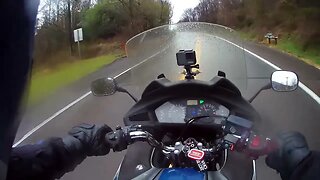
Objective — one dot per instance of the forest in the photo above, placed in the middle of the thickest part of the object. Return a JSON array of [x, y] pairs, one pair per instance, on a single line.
[[295, 22], [112, 21], [107, 24]]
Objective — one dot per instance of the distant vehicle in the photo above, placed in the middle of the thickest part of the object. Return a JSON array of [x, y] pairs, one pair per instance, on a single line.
[[195, 129]]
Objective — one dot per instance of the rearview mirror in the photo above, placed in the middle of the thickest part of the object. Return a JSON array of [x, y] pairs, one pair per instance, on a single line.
[[104, 87], [284, 81]]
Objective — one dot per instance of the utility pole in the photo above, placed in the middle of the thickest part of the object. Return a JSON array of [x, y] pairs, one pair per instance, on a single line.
[[69, 27]]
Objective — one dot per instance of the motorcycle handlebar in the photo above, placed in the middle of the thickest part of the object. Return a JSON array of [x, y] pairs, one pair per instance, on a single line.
[[122, 137], [258, 146], [254, 146]]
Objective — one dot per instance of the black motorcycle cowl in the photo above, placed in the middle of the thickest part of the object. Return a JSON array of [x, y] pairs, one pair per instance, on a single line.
[[161, 90]]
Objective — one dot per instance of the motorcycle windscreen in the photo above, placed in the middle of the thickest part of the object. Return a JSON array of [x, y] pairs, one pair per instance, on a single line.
[[181, 174], [217, 48]]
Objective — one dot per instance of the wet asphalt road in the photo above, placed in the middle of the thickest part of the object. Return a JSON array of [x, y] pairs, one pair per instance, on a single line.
[[279, 111]]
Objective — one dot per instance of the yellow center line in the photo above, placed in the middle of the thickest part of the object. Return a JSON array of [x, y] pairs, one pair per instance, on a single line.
[[198, 49]]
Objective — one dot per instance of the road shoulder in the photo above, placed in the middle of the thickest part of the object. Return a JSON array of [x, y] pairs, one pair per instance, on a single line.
[[308, 74], [36, 113]]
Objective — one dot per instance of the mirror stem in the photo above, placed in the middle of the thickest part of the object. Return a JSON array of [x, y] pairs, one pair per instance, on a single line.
[[120, 89], [134, 98], [268, 86]]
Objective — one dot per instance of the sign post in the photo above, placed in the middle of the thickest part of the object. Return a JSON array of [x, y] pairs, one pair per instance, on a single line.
[[78, 36]]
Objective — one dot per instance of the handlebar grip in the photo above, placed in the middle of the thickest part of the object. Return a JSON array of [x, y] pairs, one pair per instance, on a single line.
[[117, 140], [258, 146], [272, 146], [122, 137]]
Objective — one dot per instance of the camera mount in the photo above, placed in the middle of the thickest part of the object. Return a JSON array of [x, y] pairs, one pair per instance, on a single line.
[[187, 59]]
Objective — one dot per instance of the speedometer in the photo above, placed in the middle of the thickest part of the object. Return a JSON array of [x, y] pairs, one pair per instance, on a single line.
[[171, 113], [207, 110]]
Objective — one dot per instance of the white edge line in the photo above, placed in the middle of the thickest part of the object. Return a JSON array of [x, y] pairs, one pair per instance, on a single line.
[[76, 101], [141, 62], [50, 118], [301, 85]]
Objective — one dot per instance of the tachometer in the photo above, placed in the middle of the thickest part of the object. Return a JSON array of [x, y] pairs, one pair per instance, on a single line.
[[207, 110]]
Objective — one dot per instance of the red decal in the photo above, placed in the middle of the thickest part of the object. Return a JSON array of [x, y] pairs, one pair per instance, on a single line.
[[195, 154], [232, 147]]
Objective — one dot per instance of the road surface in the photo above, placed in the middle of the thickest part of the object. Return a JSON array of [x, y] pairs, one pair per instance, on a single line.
[[280, 111]]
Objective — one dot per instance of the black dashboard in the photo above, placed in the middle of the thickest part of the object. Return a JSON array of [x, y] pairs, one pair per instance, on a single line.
[[182, 110], [166, 104]]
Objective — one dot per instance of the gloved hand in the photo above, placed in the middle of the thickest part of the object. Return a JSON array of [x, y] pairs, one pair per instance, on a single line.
[[293, 149], [92, 139]]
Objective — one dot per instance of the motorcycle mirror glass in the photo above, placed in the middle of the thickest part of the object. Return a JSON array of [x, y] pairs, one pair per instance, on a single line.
[[104, 87], [284, 81]]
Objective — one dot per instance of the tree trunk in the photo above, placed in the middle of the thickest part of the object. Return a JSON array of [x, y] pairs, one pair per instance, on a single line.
[[58, 11], [161, 13], [69, 27]]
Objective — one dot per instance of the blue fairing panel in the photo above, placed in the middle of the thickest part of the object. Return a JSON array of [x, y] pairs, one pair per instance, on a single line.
[[181, 174]]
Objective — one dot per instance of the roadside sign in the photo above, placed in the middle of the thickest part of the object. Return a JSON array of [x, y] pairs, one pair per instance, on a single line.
[[78, 35], [270, 36]]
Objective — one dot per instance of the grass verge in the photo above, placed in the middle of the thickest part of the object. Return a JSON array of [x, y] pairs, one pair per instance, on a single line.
[[288, 45], [47, 81], [311, 55]]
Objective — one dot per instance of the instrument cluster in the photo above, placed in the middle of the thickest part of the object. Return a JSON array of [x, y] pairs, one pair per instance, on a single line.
[[182, 110]]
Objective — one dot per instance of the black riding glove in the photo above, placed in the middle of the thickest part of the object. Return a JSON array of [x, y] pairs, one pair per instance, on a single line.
[[52, 158], [293, 149], [91, 138]]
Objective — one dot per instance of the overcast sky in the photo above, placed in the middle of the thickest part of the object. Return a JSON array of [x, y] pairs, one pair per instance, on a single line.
[[179, 6]]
